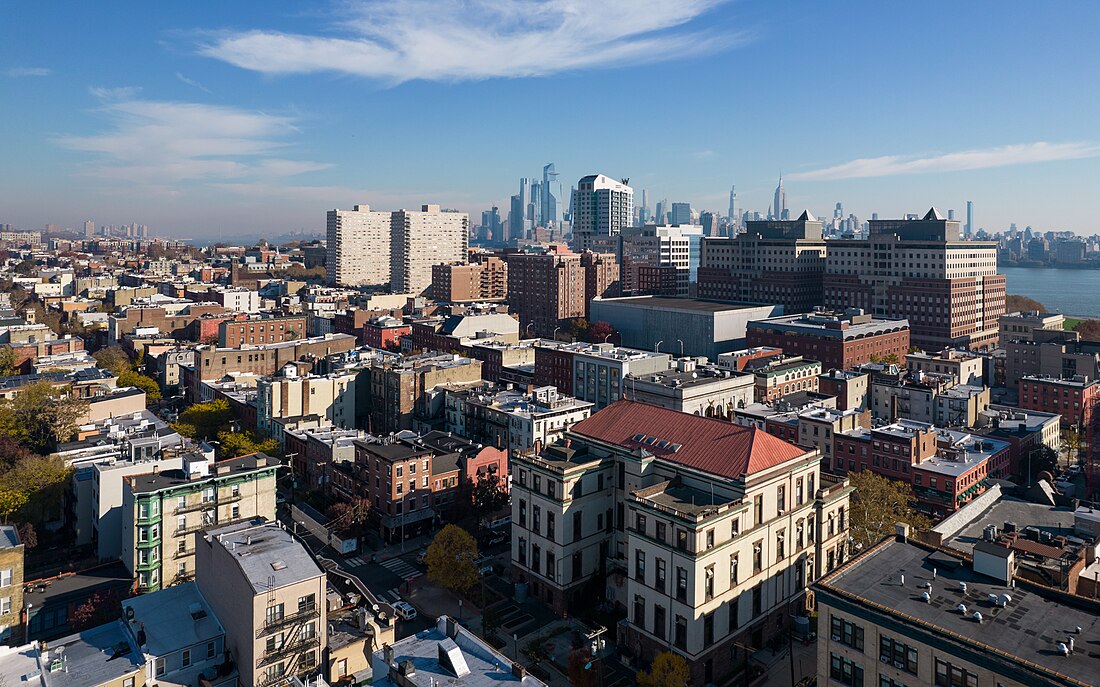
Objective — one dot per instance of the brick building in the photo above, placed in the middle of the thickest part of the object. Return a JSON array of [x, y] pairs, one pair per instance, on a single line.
[[478, 281], [394, 395], [234, 334], [384, 332], [786, 375], [840, 340], [549, 290], [1073, 399], [407, 485], [736, 269]]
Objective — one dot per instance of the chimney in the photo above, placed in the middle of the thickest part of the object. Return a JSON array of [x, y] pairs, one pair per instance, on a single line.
[[519, 670], [902, 530], [387, 654]]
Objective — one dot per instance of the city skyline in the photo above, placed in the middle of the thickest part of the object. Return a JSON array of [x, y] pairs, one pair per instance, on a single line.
[[237, 121]]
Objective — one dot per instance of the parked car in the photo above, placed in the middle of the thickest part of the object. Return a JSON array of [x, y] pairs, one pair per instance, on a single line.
[[404, 610], [494, 538], [422, 556], [485, 569]]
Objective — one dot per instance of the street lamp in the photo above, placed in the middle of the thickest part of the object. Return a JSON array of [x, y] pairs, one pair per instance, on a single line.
[[657, 346], [556, 333], [528, 330], [607, 336], [681, 347]]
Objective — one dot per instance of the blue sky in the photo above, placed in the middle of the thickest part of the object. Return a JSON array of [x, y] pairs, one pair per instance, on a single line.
[[216, 119]]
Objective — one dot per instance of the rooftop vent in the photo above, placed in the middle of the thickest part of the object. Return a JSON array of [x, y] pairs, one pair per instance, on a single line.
[[278, 565]]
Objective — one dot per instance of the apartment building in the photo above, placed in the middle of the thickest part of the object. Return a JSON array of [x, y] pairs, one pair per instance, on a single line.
[[394, 393], [291, 395], [840, 340], [393, 249], [547, 291], [406, 484], [602, 207], [1073, 399], [920, 269], [774, 261], [599, 371], [707, 532], [270, 595], [505, 418], [264, 330], [652, 250], [908, 614], [483, 281], [11, 585], [851, 389], [163, 512], [1051, 353], [964, 366], [784, 375], [1021, 326]]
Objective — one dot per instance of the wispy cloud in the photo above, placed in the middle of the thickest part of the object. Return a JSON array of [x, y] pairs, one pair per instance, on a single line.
[[1004, 156], [456, 40], [152, 143], [193, 83], [23, 72]]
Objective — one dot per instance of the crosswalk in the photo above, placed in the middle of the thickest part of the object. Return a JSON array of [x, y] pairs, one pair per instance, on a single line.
[[401, 568], [390, 595], [355, 562]]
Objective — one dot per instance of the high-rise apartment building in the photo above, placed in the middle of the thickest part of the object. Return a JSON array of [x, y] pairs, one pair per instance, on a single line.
[[733, 218], [772, 262], [920, 270], [89, 229], [601, 207], [969, 218], [651, 246], [548, 290], [394, 249], [709, 532]]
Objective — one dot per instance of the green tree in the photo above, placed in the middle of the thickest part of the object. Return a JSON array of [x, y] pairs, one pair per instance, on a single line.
[[1039, 459], [667, 670], [489, 494], [1072, 441], [450, 559], [7, 362], [878, 503], [25, 268], [146, 384], [204, 420], [41, 415], [114, 359], [245, 443], [35, 488]]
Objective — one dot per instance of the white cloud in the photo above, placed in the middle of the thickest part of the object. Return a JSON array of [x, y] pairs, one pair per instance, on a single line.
[[21, 72], [455, 40], [152, 143], [193, 83], [1004, 156]]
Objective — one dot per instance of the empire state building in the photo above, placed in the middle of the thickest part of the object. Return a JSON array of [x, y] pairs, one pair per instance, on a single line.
[[780, 204]]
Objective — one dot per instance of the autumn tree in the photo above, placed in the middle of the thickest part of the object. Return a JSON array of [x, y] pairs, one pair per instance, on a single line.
[[41, 416], [114, 359], [1072, 441], [7, 362], [877, 504], [35, 488], [204, 420], [667, 670], [1088, 329], [28, 535], [1039, 459], [245, 443], [580, 328], [1016, 303], [598, 331], [489, 494], [102, 607], [450, 559], [143, 382]]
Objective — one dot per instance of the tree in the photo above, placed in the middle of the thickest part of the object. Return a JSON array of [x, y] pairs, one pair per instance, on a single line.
[[1088, 329], [1039, 459], [1014, 303], [204, 420], [7, 362], [580, 328], [40, 416], [25, 268], [450, 559], [598, 331], [667, 670], [35, 488], [28, 536], [489, 494], [146, 384], [1072, 441], [245, 443], [113, 359], [102, 607], [11, 452], [878, 503]]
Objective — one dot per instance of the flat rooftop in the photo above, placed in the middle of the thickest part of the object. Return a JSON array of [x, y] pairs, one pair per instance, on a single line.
[[174, 618], [681, 498], [168, 479], [688, 304], [100, 655], [1057, 521], [1028, 630], [265, 552]]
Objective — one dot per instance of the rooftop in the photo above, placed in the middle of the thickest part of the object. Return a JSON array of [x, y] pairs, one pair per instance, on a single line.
[[9, 537], [1026, 633], [843, 325], [102, 654], [174, 618], [169, 479], [446, 654], [706, 444], [697, 305], [269, 556], [1058, 521]]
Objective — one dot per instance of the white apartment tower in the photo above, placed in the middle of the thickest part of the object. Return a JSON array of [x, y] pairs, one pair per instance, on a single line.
[[601, 207], [393, 249]]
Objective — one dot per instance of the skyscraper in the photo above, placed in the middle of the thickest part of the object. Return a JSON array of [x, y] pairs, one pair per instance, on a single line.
[[662, 210], [681, 213], [518, 220], [551, 197], [601, 207], [969, 218], [643, 213], [780, 204], [733, 206], [89, 229]]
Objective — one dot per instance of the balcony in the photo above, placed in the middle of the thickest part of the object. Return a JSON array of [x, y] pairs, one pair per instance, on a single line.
[[182, 531], [198, 505], [186, 553], [303, 614]]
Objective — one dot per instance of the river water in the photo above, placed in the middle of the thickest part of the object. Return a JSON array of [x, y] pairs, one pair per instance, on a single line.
[[1070, 292]]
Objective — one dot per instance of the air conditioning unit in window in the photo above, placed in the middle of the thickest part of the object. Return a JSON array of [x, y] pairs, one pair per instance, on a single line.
[[836, 638], [899, 664], [884, 659]]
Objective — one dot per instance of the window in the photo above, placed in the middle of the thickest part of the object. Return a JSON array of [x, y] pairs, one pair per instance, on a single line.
[[5, 577], [781, 497], [639, 523], [274, 613], [757, 557], [659, 622], [128, 682], [550, 525], [639, 565], [901, 655], [659, 582], [5, 605], [639, 610], [847, 633], [522, 553], [735, 527], [733, 570], [780, 545], [186, 661], [680, 639], [844, 671], [235, 512], [577, 527], [210, 649], [710, 538], [522, 513], [661, 530], [159, 670], [307, 602], [536, 519], [708, 629], [681, 584], [708, 583], [884, 681], [948, 675], [208, 495], [758, 509], [798, 495], [682, 540], [235, 490]]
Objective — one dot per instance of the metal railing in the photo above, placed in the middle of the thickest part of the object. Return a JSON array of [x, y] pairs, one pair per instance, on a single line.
[[307, 613]]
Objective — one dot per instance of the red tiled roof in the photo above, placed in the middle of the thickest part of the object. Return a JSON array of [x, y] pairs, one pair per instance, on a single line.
[[707, 444]]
